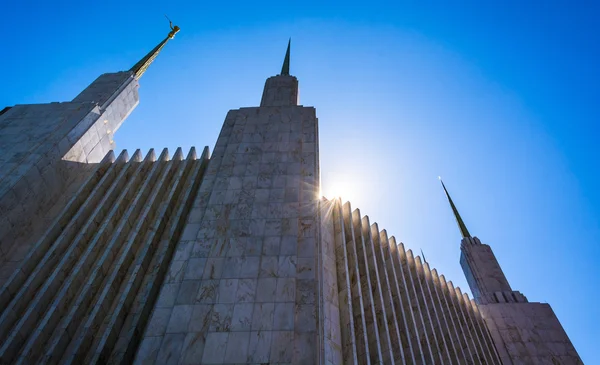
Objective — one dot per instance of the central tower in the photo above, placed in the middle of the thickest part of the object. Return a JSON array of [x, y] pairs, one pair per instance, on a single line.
[[242, 286]]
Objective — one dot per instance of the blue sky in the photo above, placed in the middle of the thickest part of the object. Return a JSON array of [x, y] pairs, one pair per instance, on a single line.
[[500, 100]]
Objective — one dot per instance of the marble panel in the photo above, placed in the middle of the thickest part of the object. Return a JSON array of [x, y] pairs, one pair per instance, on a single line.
[[170, 349], [215, 348]]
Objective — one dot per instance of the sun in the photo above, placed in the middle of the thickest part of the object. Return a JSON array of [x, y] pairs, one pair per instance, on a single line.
[[342, 188]]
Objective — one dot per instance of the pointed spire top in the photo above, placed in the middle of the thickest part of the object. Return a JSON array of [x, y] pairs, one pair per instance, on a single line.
[[461, 225], [423, 255], [139, 68], [285, 69]]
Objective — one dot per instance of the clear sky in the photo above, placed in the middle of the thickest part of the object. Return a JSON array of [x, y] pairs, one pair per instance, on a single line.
[[500, 100]]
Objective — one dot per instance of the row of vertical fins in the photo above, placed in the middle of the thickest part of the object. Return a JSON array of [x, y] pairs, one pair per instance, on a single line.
[[394, 309], [84, 291]]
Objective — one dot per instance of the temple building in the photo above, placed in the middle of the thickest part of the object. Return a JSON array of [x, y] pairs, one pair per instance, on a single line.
[[229, 257]]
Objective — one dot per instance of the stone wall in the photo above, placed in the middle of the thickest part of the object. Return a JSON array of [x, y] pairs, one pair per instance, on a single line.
[[105, 88], [393, 308], [529, 333], [329, 305], [483, 272], [242, 287], [280, 91], [116, 95], [85, 290], [523, 332], [44, 150], [32, 175]]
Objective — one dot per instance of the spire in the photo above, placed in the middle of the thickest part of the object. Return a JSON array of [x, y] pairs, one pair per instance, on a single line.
[[461, 225], [281, 90], [423, 255], [139, 68], [285, 69]]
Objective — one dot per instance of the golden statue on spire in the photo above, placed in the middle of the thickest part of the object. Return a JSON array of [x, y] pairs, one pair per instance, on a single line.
[[174, 29]]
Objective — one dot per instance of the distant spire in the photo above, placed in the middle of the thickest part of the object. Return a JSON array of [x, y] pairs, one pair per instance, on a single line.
[[461, 225], [285, 69], [139, 68], [423, 255]]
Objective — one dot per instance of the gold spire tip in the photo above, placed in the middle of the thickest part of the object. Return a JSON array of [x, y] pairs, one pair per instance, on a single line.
[[174, 28], [139, 68]]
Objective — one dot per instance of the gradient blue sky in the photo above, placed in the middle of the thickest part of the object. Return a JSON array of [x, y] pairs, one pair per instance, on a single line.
[[500, 100]]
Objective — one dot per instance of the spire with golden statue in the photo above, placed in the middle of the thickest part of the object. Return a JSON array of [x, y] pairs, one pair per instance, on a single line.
[[139, 68]]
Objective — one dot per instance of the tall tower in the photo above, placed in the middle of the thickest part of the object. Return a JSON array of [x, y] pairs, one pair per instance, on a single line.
[[524, 332], [47, 150], [482, 270], [242, 287]]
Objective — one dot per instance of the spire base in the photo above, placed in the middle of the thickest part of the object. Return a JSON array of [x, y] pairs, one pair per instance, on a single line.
[[280, 90]]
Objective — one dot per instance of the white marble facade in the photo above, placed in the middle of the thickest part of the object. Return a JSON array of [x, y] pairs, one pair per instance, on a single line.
[[47, 151], [243, 286]]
